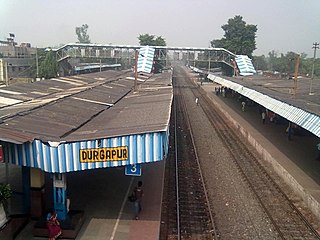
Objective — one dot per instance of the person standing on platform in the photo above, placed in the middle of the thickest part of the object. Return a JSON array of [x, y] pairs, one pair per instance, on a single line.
[[138, 194], [318, 149], [53, 225], [290, 131], [243, 105], [263, 116]]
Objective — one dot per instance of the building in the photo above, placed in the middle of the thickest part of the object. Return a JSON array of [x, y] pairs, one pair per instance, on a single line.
[[15, 61]]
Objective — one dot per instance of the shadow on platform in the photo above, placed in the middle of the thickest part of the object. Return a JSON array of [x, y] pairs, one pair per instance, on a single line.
[[70, 227], [13, 227]]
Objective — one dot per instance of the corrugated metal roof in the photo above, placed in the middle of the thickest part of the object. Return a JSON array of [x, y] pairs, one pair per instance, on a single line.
[[90, 106], [146, 111], [276, 95]]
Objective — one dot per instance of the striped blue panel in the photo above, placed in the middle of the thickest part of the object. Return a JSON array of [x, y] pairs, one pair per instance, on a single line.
[[145, 59], [304, 119], [143, 148], [245, 65]]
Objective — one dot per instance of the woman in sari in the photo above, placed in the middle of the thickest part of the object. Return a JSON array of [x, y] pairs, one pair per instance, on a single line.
[[54, 229]]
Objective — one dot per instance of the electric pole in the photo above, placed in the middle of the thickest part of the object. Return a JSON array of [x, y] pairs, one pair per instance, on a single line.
[[37, 64], [315, 46], [296, 70]]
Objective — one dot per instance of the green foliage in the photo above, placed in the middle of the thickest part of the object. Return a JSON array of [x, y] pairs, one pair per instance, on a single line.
[[82, 34], [260, 62], [239, 37], [150, 40], [48, 67], [285, 63], [5, 192], [41, 56]]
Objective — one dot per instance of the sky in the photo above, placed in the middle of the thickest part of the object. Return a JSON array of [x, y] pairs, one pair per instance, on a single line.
[[283, 25]]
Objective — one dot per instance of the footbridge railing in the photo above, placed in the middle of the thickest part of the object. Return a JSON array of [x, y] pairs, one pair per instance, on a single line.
[[190, 55]]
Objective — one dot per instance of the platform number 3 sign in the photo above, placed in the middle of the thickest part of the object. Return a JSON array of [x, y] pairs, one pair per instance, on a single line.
[[133, 170]]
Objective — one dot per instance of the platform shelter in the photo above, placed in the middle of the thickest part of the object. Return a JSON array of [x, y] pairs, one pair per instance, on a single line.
[[83, 122]]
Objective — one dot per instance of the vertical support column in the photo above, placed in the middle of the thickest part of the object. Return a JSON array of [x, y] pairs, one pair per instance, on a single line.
[[26, 183], [129, 57], [136, 71], [37, 189], [209, 62], [60, 195]]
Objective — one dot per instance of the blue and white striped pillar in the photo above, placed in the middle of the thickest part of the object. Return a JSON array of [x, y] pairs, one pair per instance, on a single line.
[[60, 195]]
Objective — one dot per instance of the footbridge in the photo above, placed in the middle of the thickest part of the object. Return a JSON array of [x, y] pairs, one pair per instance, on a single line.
[[125, 54]]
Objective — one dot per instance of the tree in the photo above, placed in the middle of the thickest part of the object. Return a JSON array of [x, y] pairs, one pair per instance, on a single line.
[[147, 39], [285, 63], [239, 37], [260, 62], [82, 34], [49, 67]]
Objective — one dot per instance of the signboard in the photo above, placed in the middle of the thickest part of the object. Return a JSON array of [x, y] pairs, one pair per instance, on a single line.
[[133, 170], [104, 154]]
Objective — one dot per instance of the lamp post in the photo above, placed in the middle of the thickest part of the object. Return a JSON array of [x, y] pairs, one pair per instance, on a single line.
[[315, 46]]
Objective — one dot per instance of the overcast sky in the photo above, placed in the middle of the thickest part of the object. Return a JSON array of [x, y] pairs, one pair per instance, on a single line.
[[283, 25]]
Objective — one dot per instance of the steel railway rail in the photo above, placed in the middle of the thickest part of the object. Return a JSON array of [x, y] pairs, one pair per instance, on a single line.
[[193, 217], [287, 220]]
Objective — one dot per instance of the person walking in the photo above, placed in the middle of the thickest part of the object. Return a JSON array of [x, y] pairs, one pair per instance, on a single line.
[[290, 131], [197, 100], [138, 194]]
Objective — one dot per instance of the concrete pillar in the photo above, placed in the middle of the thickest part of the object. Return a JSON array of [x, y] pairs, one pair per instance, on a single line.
[[37, 190], [25, 171]]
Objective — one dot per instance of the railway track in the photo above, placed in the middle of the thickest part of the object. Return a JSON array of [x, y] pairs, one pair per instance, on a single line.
[[191, 217], [284, 219], [287, 220]]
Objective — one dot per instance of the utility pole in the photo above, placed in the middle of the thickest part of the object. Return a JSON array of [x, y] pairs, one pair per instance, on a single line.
[[296, 70], [315, 47], [37, 64]]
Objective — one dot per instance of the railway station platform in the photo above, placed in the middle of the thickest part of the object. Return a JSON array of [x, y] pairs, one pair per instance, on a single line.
[[90, 135], [295, 161], [108, 214], [104, 192]]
